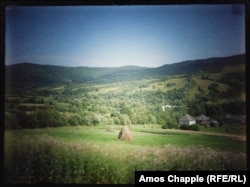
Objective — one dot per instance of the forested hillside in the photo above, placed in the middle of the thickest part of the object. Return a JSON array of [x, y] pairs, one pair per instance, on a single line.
[[43, 95], [33, 75]]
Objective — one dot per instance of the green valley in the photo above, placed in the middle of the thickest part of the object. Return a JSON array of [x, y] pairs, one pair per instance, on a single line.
[[63, 113]]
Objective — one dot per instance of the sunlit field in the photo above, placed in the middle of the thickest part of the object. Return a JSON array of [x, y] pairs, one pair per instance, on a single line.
[[93, 155]]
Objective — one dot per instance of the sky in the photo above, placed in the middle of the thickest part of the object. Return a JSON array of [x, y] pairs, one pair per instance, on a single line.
[[120, 35]]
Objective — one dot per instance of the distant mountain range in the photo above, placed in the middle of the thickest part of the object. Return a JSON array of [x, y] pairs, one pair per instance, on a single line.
[[28, 75]]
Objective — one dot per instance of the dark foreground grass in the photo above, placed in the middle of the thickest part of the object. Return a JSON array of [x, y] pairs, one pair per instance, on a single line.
[[93, 155]]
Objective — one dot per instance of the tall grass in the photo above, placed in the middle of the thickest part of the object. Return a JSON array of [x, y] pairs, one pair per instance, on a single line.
[[36, 159]]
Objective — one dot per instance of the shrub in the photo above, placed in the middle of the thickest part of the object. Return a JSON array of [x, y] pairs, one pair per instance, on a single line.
[[190, 127], [170, 123]]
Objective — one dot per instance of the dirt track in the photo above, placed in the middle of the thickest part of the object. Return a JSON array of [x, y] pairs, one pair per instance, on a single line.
[[237, 137]]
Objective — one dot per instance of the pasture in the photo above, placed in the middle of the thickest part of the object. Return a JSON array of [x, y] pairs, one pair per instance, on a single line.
[[93, 155]]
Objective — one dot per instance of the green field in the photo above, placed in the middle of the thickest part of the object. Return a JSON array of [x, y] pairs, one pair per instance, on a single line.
[[58, 128], [93, 155]]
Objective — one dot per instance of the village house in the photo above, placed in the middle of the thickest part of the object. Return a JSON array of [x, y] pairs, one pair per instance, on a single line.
[[187, 120], [203, 120], [214, 123], [207, 121]]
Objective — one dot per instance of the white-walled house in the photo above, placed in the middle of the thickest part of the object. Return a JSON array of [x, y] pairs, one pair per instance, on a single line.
[[187, 120], [167, 106]]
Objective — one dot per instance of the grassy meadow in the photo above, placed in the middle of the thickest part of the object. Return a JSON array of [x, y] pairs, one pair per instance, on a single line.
[[93, 155], [61, 124]]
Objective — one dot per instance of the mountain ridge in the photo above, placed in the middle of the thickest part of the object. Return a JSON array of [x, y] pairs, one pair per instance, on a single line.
[[132, 66], [34, 75]]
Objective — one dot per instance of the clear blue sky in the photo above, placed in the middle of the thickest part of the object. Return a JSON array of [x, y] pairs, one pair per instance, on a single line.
[[113, 36]]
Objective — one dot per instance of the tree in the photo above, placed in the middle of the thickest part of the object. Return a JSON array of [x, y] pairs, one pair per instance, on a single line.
[[125, 110], [214, 110], [31, 121], [170, 123], [21, 118], [73, 121], [124, 119], [196, 108], [213, 87], [133, 118], [10, 121], [49, 118], [152, 119], [116, 120], [160, 116], [200, 89]]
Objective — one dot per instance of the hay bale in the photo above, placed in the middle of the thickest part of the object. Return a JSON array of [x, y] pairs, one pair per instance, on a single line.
[[78, 127], [125, 134], [110, 129]]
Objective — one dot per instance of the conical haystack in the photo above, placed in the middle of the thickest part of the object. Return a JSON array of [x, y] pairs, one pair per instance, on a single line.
[[125, 134], [110, 129]]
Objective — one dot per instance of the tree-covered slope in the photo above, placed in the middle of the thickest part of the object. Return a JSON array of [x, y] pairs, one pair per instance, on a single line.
[[28, 75]]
